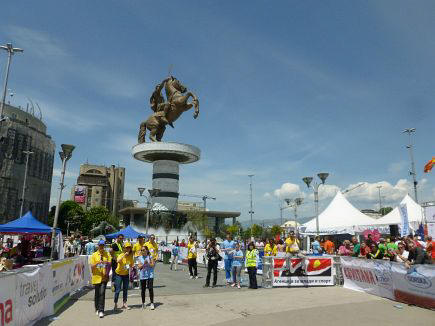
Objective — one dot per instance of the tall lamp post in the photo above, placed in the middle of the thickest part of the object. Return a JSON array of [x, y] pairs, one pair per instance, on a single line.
[[251, 210], [152, 193], [25, 181], [287, 200], [380, 201], [65, 155], [409, 131], [11, 51], [295, 203], [322, 176]]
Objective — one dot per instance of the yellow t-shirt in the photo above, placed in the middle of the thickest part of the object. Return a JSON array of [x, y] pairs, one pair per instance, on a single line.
[[137, 248], [100, 270], [191, 249], [124, 264], [292, 246], [154, 249], [269, 251]]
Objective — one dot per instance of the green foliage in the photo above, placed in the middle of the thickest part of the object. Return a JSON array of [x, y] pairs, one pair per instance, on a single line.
[[246, 234], [95, 216], [256, 230], [276, 230], [233, 229], [208, 233], [198, 219], [385, 210], [70, 212]]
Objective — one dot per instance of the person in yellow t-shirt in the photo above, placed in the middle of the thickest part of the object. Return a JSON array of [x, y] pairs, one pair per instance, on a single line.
[[125, 261], [153, 247], [137, 248], [270, 249], [191, 258], [100, 267], [292, 244]]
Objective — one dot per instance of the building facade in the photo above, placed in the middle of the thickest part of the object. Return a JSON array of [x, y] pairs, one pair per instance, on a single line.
[[98, 185], [23, 131]]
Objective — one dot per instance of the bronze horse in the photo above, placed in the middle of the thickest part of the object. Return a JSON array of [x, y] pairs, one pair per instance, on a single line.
[[177, 101]]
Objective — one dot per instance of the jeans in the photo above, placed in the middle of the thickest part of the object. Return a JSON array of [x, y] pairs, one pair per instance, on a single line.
[[228, 262], [100, 296], [174, 261], [193, 267], [124, 280], [252, 271], [236, 274], [144, 284], [212, 265]]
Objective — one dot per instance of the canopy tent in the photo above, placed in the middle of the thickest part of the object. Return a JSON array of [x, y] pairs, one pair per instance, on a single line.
[[340, 217], [415, 215], [25, 224], [128, 233]]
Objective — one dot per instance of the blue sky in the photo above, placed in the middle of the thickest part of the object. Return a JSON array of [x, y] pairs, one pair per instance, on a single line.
[[286, 88]]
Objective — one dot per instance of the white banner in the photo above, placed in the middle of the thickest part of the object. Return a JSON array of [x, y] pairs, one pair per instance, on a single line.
[[415, 285], [405, 223], [429, 213], [33, 295], [371, 276], [431, 230], [69, 275], [7, 300]]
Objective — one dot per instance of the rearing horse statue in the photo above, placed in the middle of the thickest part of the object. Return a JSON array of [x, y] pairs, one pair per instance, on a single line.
[[167, 112]]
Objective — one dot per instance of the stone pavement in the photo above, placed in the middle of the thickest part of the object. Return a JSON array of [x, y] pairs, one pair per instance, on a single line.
[[181, 301]]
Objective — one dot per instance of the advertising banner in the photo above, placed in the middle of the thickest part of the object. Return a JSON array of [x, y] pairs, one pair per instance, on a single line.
[[429, 213], [405, 223], [303, 271], [80, 193], [7, 300], [32, 295], [69, 275], [371, 276], [415, 285]]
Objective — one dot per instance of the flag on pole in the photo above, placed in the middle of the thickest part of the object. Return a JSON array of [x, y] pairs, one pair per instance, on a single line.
[[429, 165]]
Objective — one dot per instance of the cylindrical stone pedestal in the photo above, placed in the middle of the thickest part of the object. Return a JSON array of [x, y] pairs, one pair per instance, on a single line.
[[166, 158]]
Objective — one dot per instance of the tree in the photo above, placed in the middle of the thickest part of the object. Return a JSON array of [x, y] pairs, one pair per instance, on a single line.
[[385, 210], [95, 216], [198, 219], [276, 230], [70, 212], [256, 230], [233, 230], [208, 233], [246, 234]]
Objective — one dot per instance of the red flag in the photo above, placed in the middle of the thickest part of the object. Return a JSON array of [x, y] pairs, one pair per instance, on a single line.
[[429, 165], [318, 265]]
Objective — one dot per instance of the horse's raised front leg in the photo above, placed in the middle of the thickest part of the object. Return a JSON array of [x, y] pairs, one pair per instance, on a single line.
[[195, 103]]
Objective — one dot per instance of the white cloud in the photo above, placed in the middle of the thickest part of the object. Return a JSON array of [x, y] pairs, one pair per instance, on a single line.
[[288, 190], [68, 174], [369, 192]]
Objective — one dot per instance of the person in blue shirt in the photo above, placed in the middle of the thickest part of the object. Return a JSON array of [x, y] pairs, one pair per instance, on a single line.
[[90, 248], [237, 265], [317, 248], [227, 247], [146, 265], [175, 251]]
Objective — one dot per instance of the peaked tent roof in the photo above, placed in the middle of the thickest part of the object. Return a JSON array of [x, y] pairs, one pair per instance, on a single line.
[[338, 218], [415, 214], [25, 224], [128, 232]]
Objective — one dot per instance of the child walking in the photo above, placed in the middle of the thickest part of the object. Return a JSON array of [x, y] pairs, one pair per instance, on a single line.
[[146, 275]]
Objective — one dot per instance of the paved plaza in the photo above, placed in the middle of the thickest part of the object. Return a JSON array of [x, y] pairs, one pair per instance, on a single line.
[[181, 301]]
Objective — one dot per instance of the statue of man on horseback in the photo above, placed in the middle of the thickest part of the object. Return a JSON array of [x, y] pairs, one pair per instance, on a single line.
[[166, 112]]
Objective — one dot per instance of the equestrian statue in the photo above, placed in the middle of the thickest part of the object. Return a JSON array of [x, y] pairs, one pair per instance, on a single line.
[[166, 112]]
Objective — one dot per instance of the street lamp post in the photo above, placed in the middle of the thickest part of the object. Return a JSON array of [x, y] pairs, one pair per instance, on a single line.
[[25, 181], [322, 176], [11, 51], [380, 203], [152, 193], [409, 131], [251, 210], [65, 155]]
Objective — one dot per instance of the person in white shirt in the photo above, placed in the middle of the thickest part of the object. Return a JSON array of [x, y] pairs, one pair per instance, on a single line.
[[401, 254]]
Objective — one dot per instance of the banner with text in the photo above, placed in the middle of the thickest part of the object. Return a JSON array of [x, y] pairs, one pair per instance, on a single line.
[[7, 300]]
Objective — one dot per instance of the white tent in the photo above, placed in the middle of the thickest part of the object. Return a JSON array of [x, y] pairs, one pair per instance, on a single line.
[[339, 217], [415, 215]]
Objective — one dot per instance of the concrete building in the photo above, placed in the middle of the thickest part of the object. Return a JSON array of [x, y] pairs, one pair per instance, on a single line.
[[24, 132], [98, 185]]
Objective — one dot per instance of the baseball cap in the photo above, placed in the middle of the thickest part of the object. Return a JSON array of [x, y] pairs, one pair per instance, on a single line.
[[101, 242], [127, 244]]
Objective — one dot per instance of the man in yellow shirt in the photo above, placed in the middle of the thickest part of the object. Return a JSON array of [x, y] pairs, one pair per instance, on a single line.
[[292, 244], [153, 247], [100, 266], [125, 261], [270, 249], [137, 248], [191, 258]]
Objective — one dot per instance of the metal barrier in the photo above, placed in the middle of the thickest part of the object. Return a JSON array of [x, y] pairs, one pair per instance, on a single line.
[[267, 277], [339, 279]]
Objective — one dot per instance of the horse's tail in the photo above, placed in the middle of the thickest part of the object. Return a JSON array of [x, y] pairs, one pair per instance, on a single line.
[[142, 132]]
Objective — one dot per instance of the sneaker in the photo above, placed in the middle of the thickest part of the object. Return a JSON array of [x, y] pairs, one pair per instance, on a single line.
[[152, 306], [125, 306], [196, 277], [143, 305], [101, 314], [233, 285], [96, 312], [206, 286], [238, 286], [191, 277]]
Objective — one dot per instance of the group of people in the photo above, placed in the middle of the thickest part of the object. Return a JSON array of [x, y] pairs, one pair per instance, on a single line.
[[128, 264], [408, 250]]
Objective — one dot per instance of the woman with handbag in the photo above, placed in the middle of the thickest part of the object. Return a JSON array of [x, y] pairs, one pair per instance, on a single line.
[[213, 258]]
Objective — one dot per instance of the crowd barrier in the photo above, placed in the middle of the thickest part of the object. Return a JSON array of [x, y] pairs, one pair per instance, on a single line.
[[34, 292], [391, 280], [298, 271]]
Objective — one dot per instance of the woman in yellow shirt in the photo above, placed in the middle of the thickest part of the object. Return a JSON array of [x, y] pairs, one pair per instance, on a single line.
[[100, 266], [270, 249], [125, 261]]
